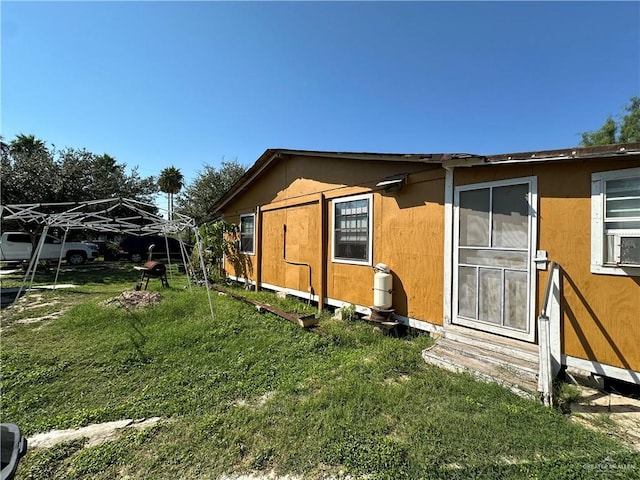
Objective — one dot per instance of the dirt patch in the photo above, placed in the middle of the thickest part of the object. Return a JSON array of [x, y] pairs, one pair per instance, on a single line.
[[95, 433], [51, 316], [396, 380], [259, 402], [259, 476], [32, 305], [615, 415], [134, 299], [38, 305]]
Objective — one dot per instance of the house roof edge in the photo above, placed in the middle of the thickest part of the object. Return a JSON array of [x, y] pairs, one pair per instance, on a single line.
[[574, 153], [272, 154]]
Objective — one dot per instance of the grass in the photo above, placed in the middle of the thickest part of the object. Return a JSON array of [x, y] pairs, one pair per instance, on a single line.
[[251, 392]]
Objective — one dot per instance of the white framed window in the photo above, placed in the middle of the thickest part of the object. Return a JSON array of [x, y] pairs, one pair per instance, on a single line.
[[615, 222], [247, 233], [352, 230]]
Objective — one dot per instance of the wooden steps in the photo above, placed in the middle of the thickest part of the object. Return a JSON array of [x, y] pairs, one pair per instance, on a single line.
[[489, 358]]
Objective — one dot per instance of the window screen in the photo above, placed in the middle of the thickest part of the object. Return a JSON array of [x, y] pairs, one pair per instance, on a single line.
[[247, 230], [352, 234]]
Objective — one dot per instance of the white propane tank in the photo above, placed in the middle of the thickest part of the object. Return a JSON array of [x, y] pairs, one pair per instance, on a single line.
[[382, 287]]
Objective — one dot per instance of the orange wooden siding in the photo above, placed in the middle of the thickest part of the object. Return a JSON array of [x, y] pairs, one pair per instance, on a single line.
[[408, 232], [601, 313], [409, 237], [302, 224]]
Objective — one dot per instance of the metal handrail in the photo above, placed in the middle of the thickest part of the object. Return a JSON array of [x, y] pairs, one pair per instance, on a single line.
[[547, 291], [545, 374]]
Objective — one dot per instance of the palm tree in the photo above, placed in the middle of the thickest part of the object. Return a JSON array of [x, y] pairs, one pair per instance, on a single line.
[[4, 147], [170, 182], [26, 144]]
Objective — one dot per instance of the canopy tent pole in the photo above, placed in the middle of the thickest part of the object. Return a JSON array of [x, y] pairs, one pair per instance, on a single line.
[[64, 239], [106, 215], [32, 263], [204, 270], [22, 284], [166, 246], [31, 269], [186, 260], [43, 236]]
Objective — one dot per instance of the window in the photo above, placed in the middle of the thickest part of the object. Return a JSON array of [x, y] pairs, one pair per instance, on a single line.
[[615, 222], [50, 239], [26, 238], [352, 229], [19, 238], [247, 231]]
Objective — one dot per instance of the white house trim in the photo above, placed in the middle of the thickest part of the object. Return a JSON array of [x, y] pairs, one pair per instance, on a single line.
[[290, 291], [448, 246], [602, 369], [238, 279], [409, 321], [334, 202], [419, 324], [253, 240], [598, 180]]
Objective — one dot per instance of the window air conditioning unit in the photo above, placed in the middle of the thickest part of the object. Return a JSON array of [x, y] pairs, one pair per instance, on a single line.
[[627, 250]]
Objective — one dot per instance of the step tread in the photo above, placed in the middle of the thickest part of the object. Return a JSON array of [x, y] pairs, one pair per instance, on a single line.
[[492, 356], [491, 338], [486, 371], [483, 362], [521, 350]]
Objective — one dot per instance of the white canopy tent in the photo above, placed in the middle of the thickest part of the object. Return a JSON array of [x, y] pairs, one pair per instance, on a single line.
[[113, 215]]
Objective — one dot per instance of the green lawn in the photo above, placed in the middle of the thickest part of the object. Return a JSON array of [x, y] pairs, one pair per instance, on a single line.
[[252, 392]]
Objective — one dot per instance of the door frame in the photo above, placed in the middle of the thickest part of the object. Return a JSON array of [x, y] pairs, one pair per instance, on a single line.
[[529, 334]]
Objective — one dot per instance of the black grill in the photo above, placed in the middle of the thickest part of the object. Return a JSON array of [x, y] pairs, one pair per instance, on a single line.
[[152, 269]]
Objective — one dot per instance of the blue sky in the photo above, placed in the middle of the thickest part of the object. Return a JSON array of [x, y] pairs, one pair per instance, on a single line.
[[156, 84]]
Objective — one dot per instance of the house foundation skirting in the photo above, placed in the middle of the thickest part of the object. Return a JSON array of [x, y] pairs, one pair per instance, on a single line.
[[602, 369], [295, 293], [588, 366], [408, 321], [246, 281], [276, 288], [420, 324]]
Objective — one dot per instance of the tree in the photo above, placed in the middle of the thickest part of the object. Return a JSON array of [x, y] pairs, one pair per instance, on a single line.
[[110, 180], [4, 147], [207, 188], [170, 182], [29, 172], [219, 239], [26, 144], [76, 175], [34, 173], [627, 130], [630, 126]]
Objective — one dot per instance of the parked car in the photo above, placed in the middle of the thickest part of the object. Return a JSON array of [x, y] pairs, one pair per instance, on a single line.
[[17, 246], [106, 249], [136, 248]]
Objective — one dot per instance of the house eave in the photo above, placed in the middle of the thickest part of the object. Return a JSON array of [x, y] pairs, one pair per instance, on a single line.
[[447, 160], [566, 154], [271, 155]]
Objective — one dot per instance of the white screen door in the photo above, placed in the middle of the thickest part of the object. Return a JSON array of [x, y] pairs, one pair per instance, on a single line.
[[495, 231]]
